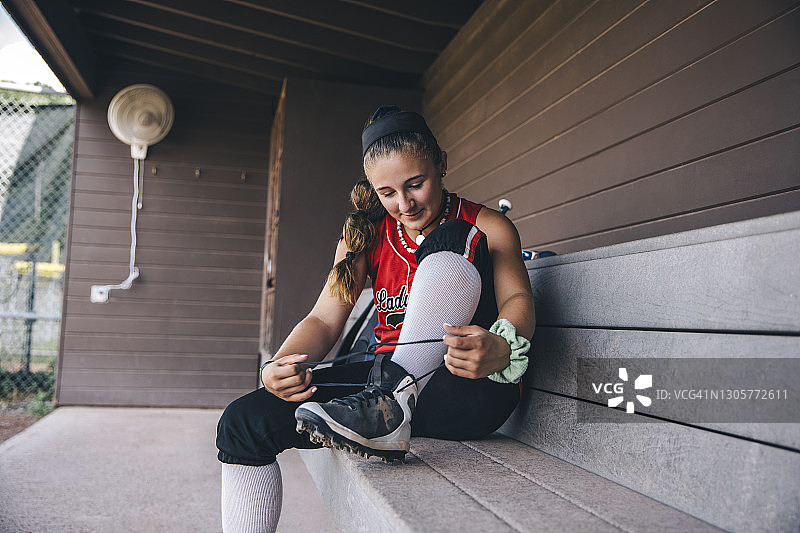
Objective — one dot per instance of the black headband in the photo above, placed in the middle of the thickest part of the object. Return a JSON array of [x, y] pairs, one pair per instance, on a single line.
[[394, 123]]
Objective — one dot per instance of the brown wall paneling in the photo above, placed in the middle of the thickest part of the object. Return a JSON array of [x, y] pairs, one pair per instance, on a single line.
[[132, 325], [182, 308], [223, 158], [595, 96], [176, 223], [552, 45], [612, 63], [199, 208], [685, 188], [180, 240], [186, 333], [100, 343], [686, 91], [199, 275], [150, 361], [589, 88], [164, 188], [492, 28], [732, 116], [160, 378], [173, 257], [156, 396], [779, 202], [186, 291]]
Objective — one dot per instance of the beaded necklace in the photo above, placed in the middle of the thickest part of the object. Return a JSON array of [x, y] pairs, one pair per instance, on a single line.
[[421, 237]]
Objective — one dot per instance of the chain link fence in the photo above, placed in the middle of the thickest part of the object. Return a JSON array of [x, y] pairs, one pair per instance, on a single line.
[[36, 138]]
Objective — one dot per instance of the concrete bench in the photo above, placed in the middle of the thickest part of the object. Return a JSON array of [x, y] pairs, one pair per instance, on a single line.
[[730, 291]]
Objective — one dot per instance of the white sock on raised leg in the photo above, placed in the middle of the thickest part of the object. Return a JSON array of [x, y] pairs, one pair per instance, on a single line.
[[446, 288], [251, 498]]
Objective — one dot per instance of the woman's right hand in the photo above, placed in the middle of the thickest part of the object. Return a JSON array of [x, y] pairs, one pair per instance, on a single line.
[[288, 379]]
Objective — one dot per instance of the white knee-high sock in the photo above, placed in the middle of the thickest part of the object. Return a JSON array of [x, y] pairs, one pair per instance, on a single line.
[[446, 289], [251, 498]]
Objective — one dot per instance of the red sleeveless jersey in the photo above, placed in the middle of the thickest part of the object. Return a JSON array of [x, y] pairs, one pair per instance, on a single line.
[[392, 267]]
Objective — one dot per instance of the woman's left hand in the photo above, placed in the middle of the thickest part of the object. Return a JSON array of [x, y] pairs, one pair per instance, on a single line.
[[474, 352]]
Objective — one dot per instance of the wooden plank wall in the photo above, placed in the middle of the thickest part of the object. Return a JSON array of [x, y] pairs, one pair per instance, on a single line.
[[606, 121], [186, 334]]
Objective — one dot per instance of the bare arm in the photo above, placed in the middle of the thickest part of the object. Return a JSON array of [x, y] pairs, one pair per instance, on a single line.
[[474, 352], [511, 283], [311, 339]]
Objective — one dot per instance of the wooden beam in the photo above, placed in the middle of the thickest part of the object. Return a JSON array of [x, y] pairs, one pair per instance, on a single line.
[[188, 65], [300, 34], [56, 33], [115, 31], [450, 13], [319, 64], [352, 19]]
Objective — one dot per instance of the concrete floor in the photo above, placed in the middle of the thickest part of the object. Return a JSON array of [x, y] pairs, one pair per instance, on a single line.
[[128, 469]]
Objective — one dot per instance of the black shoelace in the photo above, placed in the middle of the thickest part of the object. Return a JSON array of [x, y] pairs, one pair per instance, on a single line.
[[371, 351]]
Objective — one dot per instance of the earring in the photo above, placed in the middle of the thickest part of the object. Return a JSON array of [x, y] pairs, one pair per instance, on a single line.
[[444, 173]]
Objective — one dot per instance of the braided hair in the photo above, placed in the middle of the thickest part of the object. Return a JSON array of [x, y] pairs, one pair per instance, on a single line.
[[359, 235], [359, 231]]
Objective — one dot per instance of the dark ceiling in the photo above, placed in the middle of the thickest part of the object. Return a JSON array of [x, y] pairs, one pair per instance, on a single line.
[[249, 43]]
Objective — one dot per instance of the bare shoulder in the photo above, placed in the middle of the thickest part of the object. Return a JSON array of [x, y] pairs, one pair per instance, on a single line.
[[500, 231]]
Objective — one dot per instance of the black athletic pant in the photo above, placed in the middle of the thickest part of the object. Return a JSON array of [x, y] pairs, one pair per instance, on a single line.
[[259, 425]]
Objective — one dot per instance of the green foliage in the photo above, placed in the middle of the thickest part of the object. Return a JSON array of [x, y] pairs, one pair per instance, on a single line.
[[41, 404], [22, 381], [17, 388], [36, 98]]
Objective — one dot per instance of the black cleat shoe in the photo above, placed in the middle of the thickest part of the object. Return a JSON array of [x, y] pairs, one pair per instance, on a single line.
[[375, 421]]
